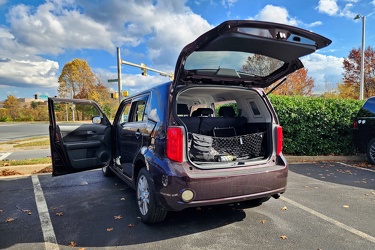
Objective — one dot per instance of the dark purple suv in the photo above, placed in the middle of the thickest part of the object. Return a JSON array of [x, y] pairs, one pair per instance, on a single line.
[[210, 136]]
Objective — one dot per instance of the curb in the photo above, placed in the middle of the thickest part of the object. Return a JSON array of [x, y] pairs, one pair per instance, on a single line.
[[291, 159], [27, 170]]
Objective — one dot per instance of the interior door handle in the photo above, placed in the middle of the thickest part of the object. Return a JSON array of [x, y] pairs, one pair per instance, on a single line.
[[137, 134], [91, 132]]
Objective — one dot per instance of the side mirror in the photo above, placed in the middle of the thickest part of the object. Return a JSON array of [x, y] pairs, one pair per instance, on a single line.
[[96, 120]]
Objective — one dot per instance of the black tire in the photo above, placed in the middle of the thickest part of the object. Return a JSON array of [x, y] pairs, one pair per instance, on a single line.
[[370, 152], [148, 208], [107, 172]]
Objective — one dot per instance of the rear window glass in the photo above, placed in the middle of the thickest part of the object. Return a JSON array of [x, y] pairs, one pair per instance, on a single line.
[[241, 63]]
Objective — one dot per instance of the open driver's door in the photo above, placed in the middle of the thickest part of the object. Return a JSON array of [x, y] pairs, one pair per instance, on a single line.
[[80, 136]]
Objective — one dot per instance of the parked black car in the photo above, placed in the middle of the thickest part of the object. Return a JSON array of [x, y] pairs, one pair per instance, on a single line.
[[210, 136], [364, 130]]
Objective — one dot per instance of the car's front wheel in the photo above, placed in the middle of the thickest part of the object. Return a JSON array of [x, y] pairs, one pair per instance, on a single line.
[[149, 210], [370, 153]]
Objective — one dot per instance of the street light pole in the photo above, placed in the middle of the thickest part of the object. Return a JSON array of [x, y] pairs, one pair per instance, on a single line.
[[361, 86], [119, 75]]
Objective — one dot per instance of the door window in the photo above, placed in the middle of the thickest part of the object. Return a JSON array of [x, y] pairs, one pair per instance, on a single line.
[[77, 112], [139, 110], [124, 117]]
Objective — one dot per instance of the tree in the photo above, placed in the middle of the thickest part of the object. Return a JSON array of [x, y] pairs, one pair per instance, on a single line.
[[11, 104], [297, 83], [76, 79], [352, 69]]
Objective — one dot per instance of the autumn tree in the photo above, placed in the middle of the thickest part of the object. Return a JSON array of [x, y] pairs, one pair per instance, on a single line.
[[297, 83], [76, 80], [351, 77], [79, 82], [11, 104]]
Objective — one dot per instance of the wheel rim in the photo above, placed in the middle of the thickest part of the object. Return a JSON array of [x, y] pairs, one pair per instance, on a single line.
[[372, 152], [143, 195]]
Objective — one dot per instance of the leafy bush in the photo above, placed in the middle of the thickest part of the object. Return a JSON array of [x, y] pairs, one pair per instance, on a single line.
[[316, 125]]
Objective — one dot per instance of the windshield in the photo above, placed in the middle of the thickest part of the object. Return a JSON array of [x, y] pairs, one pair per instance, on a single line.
[[241, 62]]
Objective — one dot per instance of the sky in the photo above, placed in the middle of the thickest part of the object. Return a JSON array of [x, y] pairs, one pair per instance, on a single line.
[[37, 38]]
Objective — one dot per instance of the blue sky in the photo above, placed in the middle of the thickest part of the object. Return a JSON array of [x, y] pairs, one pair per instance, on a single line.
[[37, 38]]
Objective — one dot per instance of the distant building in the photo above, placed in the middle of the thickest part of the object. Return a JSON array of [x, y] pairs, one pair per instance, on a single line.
[[26, 102]]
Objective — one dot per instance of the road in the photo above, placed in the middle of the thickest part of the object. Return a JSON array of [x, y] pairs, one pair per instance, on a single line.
[[25, 154], [14, 131], [326, 206]]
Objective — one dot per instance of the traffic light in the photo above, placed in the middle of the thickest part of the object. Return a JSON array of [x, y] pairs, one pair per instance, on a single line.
[[125, 93], [144, 69], [114, 95]]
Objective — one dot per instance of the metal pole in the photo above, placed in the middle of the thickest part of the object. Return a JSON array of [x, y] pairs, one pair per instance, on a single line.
[[361, 86], [119, 74]]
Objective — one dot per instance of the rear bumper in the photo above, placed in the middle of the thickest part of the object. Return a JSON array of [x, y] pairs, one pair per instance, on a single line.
[[211, 187]]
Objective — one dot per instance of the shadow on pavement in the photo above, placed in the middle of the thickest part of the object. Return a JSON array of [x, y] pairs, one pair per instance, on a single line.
[[340, 173], [93, 211]]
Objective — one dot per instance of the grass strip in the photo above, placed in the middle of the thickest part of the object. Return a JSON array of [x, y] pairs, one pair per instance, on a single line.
[[46, 160], [33, 144]]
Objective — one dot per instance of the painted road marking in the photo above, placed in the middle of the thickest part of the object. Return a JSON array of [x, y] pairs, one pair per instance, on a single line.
[[366, 169], [4, 155], [50, 241], [329, 219]]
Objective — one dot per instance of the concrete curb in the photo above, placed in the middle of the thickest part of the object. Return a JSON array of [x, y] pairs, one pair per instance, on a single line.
[[27, 170], [339, 158]]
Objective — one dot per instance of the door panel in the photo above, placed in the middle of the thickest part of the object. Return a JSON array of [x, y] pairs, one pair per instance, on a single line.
[[76, 143]]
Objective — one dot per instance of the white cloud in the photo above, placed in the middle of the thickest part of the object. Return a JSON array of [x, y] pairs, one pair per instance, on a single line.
[[31, 71], [331, 8], [276, 14], [326, 70], [60, 25], [50, 29], [228, 3], [314, 24]]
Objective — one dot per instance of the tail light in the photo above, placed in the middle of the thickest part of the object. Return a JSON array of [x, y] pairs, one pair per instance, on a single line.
[[279, 140], [175, 144], [355, 124]]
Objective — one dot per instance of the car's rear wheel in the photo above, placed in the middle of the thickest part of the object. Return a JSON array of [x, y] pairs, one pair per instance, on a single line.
[[370, 153], [149, 210]]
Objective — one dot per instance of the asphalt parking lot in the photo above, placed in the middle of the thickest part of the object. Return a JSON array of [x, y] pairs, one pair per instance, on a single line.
[[326, 206]]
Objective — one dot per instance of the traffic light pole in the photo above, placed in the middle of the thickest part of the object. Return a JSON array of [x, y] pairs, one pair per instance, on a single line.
[[141, 66], [144, 68]]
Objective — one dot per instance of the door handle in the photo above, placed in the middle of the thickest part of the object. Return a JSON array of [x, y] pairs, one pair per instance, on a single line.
[[138, 134], [91, 132]]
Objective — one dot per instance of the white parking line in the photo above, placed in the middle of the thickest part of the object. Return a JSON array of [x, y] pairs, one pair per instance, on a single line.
[[50, 241], [4, 155], [346, 165], [328, 219]]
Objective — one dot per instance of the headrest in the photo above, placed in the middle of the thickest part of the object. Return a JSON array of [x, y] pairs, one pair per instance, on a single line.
[[227, 111], [182, 109], [202, 112]]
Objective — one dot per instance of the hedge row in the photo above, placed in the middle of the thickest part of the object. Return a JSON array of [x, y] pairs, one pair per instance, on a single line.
[[315, 125]]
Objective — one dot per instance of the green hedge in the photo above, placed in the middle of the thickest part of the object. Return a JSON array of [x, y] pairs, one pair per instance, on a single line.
[[316, 125]]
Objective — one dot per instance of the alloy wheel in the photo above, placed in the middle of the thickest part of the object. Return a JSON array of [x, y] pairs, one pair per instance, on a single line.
[[143, 195]]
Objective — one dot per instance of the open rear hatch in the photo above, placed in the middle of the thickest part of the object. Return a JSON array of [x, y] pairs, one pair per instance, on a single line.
[[245, 53]]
